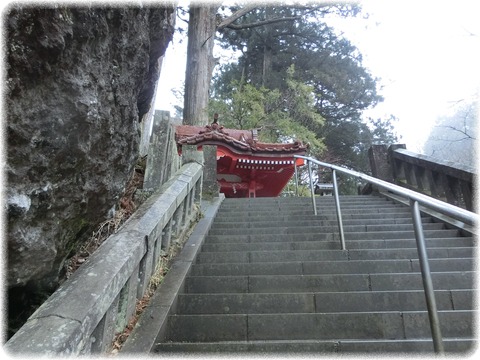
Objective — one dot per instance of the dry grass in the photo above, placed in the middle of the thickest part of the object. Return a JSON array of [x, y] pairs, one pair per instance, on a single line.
[[127, 206], [104, 230]]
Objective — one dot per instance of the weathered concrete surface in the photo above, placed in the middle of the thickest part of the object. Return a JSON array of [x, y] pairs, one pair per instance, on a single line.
[[162, 159], [440, 179], [379, 162], [79, 80], [210, 184], [153, 321]]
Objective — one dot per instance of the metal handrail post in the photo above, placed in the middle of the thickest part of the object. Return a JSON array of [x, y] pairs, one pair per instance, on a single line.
[[416, 200], [296, 177], [427, 279], [339, 212], [312, 190]]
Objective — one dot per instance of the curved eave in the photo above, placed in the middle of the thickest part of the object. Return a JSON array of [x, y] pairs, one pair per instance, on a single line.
[[239, 148]]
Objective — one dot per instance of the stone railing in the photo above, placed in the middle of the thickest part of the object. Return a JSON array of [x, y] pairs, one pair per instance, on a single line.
[[443, 180], [99, 299]]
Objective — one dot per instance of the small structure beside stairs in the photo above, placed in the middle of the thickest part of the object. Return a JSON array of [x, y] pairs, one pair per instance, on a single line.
[[246, 167]]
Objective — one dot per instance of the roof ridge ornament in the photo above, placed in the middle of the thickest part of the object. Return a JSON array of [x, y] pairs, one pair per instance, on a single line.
[[215, 126], [255, 135]]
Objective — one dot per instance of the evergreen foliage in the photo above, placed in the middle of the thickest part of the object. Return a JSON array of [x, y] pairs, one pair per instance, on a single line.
[[280, 116], [297, 78]]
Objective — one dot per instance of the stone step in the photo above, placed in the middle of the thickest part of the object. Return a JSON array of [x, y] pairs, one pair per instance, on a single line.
[[296, 347], [330, 326], [326, 302], [309, 207], [323, 255], [326, 283], [298, 198], [321, 229], [314, 222], [330, 267], [319, 205], [335, 245], [265, 217], [373, 210], [385, 235], [271, 277], [429, 234], [304, 201], [301, 200]]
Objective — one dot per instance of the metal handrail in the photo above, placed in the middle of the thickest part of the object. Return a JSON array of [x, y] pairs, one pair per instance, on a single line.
[[415, 199], [463, 215]]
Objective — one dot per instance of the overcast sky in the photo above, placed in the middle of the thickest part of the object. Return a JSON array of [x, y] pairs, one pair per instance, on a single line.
[[427, 54]]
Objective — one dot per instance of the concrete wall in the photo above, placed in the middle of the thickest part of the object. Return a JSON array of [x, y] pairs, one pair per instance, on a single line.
[[443, 180]]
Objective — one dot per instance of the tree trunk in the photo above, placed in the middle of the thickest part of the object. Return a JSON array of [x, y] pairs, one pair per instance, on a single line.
[[200, 63], [267, 50]]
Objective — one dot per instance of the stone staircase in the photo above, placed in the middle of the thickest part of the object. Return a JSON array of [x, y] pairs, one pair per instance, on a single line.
[[271, 277]]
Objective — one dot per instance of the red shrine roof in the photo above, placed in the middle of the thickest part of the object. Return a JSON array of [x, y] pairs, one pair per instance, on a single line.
[[246, 167], [238, 141]]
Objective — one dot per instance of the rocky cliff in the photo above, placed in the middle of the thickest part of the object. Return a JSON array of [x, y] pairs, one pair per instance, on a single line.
[[78, 82]]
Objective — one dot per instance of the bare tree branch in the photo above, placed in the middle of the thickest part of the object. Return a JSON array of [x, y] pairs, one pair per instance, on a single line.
[[183, 12], [228, 22], [467, 136], [261, 23], [238, 14], [453, 141]]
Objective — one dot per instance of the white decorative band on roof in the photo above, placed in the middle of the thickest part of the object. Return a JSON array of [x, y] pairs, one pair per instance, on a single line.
[[253, 167], [267, 162]]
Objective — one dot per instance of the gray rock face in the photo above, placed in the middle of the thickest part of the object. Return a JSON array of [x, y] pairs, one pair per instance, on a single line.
[[79, 80]]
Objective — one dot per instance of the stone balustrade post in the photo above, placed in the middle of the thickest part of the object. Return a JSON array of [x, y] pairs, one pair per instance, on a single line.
[[381, 162], [161, 158]]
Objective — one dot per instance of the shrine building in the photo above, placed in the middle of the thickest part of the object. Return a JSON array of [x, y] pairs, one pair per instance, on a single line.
[[246, 167]]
